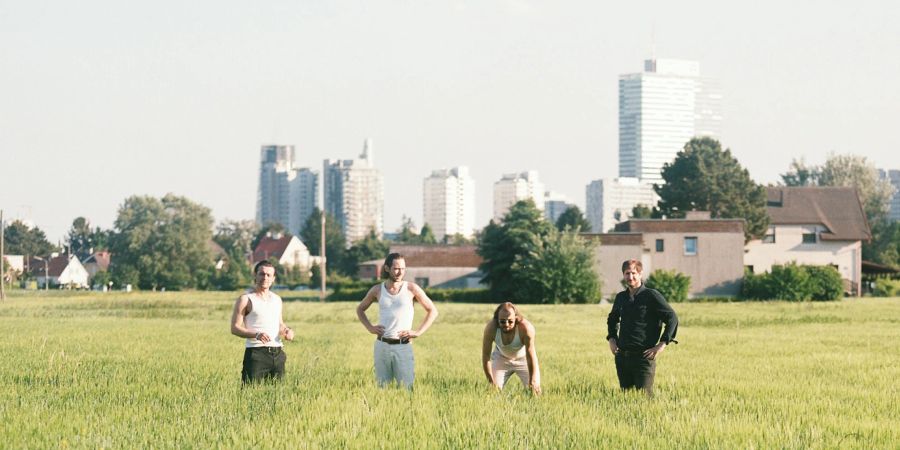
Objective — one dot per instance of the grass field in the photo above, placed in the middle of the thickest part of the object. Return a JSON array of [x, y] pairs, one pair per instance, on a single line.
[[161, 370]]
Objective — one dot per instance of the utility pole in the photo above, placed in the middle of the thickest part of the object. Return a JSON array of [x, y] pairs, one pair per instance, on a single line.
[[2, 255], [322, 255]]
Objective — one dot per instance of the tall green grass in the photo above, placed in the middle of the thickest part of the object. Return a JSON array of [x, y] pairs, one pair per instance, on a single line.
[[161, 370]]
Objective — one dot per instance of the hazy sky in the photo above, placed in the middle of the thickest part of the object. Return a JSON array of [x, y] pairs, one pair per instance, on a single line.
[[101, 100]]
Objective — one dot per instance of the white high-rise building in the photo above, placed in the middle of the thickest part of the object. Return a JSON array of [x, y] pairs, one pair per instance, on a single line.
[[660, 110], [354, 194], [555, 205], [610, 201], [448, 202], [287, 195], [514, 187]]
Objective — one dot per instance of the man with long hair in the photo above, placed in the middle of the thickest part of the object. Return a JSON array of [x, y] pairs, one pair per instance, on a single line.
[[514, 352], [394, 334]]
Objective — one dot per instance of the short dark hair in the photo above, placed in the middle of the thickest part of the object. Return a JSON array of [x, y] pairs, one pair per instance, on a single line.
[[388, 262], [632, 263], [507, 305], [263, 263]]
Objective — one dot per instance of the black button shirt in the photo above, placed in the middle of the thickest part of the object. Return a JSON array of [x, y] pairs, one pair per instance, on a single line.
[[636, 323]]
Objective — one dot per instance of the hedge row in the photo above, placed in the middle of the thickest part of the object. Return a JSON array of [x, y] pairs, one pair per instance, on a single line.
[[886, 288], [793, 282]]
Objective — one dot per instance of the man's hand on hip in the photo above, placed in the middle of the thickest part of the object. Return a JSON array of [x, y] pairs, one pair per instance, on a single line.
[[652, 352]]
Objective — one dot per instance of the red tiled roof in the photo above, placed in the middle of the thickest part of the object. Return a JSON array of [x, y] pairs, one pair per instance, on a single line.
[[270, 248], [438, 255], [55, 265], [836, 208]]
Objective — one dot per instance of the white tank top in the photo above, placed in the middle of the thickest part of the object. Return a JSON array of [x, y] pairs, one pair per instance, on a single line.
[[395, 312], [265, 316], [513, 350]]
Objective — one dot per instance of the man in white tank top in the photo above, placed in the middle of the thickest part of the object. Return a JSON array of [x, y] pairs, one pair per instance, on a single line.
[[512, 339], [393, 350], [257, 317]]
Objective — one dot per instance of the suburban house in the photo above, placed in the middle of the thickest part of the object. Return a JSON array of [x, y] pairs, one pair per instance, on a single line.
[[709, 251], [287, 250], [437, 266], [816, 226], [97, 262], [61, 270]]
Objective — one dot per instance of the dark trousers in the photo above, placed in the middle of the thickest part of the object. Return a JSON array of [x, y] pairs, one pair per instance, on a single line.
[[635, 371], [263, 363]]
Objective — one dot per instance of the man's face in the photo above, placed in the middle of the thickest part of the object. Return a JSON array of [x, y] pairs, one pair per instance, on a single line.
[[265, 276], [397, 270], [632, 277], [506, 320]]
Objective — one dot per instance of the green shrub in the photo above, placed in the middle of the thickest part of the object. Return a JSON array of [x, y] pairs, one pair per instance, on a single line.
[[755, 287], [673, 285], [886, 288], [348, 293], [793, 282], [825, 283], [473, 295], [790, 282]]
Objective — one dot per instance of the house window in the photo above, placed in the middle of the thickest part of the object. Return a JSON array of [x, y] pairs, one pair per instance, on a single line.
[[660, 245], [809, 238], [422, 282], [690, 246], [769, 238], [748, 269]]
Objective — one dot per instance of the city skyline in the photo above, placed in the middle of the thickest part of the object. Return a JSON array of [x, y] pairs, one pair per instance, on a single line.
[[108, 100]]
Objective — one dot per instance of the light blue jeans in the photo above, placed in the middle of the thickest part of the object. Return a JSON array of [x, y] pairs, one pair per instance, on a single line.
[[394, 362]]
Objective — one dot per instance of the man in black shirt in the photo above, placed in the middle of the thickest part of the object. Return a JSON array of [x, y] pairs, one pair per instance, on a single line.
[[634, 326]]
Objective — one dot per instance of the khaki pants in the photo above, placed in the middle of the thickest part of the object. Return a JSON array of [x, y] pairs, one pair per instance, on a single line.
[[503, 368]]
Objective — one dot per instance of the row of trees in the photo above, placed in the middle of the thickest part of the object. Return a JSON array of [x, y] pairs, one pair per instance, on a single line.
[[164, 242]]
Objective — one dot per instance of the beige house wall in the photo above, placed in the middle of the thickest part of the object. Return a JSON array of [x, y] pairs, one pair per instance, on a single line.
[[789, 247], [716, 269], [608, 261]]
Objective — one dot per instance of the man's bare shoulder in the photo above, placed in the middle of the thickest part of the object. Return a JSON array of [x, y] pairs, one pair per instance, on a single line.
[[527, 327], [374, 291]]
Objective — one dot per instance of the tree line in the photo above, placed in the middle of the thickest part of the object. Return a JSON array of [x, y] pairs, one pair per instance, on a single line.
[[165, 242]]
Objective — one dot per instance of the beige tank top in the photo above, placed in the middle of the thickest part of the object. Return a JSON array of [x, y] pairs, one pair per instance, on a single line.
[[513, 350]]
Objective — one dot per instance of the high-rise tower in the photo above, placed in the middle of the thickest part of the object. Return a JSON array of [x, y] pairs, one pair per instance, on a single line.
[[448, 202], [514, 187], [660, 110], [354, 194], [287, 195]]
